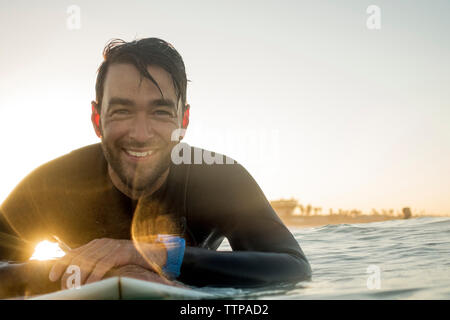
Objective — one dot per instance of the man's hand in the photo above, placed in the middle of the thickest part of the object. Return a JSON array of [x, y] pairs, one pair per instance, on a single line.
[[99, 256], [140, 273]]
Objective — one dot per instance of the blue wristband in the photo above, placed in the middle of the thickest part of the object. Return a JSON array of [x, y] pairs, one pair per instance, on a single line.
[[175, 247]]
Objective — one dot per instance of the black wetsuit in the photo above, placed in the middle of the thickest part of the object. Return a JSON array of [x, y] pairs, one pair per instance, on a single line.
[[73, 197]]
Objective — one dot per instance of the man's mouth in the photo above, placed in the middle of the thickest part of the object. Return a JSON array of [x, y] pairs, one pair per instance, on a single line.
[[142, 154]]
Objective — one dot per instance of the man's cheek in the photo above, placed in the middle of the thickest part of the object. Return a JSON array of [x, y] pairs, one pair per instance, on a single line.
[[169, 132], [113, 130]]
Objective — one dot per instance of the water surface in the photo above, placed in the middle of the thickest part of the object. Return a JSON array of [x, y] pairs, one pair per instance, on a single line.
[[412, 257]]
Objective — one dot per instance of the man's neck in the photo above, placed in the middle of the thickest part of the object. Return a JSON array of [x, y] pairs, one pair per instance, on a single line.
[[136, 194]]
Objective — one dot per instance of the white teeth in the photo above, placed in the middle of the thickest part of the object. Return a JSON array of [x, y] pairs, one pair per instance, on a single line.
[[139, 154]]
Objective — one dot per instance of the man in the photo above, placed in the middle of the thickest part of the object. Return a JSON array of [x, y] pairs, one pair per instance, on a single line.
[[128, 205]]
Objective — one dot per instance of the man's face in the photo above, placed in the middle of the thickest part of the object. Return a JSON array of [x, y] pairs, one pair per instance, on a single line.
[[137, 123]]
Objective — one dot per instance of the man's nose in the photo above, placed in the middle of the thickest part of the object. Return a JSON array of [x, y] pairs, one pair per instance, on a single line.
[[141, 129]]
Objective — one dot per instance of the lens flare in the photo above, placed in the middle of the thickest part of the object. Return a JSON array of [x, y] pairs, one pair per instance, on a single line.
[[46, 250], [150, 219]]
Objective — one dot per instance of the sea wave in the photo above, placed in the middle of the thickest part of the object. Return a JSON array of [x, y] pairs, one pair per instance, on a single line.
[[411, 257]]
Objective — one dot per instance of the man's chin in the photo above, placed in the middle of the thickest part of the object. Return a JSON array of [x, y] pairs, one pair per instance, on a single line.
[[139, 187], [137, 179], [142, 186]]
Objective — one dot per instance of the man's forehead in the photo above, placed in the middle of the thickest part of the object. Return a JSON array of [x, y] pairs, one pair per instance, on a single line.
[[116, 101], [125, 79]]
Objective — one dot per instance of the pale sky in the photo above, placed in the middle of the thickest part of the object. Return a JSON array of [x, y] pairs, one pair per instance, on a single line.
[[314, 104]]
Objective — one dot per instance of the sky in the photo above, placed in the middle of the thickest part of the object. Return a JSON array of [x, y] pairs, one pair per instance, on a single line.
[[314, 103]]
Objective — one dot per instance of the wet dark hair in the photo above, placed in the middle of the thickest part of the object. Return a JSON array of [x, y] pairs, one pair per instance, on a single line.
[[142, 53]]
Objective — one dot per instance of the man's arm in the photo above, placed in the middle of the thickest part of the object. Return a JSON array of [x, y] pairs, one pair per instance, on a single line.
[[12, 246], [226, 198], [25, 279], [241, 268], [264, 253], [18, 276], [11, 282]]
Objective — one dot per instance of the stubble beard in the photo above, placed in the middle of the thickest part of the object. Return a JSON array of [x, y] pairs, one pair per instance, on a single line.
[[136, 183]]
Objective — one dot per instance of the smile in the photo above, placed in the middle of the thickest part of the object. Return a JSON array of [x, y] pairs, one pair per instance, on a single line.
[[139, 154]]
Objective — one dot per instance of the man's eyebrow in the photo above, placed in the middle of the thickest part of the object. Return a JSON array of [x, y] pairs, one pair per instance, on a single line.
[[163, 103], [120, 101], [154, 103]]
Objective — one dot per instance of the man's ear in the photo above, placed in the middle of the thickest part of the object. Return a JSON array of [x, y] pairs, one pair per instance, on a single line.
[[185, 122], [95, 118], [186, 116]]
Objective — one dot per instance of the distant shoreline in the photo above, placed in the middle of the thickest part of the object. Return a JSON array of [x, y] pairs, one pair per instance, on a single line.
[[321, 220]]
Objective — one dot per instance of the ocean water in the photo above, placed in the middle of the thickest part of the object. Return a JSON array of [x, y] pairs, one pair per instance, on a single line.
[[396, 259]]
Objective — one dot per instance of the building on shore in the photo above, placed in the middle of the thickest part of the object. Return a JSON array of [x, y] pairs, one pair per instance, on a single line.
[[284, 208], [309, 216]]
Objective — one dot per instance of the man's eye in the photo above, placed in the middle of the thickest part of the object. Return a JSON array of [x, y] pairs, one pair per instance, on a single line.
[[121, 111], [163, 113]]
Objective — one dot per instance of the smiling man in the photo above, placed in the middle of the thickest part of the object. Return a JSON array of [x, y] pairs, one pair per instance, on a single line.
[[126, 207], [137, 123]]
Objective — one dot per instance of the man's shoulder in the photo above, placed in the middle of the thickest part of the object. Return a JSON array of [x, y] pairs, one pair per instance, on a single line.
[[209, 169], [203, 161], [221, 189], [51, 188], [87, 156], [80, 162]]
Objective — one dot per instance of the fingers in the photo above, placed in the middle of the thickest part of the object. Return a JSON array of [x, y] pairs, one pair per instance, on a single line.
[[61, 265], [138, 272], [87, 260], [102, 267], [87, 263], [124, 253], [94, 260]]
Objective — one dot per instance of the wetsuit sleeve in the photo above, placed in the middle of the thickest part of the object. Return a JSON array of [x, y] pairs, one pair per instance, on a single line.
[[23, 219], [226, 199], [12, 247]]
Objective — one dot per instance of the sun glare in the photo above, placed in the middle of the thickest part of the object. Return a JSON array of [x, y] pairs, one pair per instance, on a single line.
[[46, 250]]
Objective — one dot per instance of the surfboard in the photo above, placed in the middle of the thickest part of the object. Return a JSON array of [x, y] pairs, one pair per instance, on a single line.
[[122, 288]]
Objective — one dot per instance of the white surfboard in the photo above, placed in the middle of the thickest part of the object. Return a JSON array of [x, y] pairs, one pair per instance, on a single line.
[[118, 288]]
